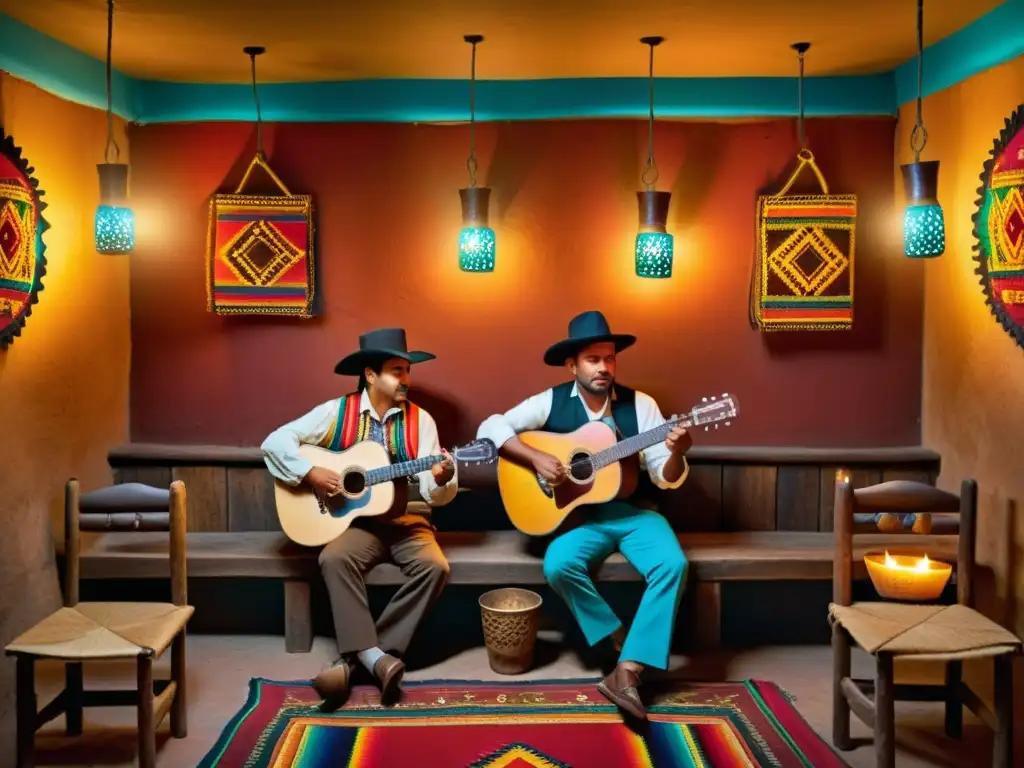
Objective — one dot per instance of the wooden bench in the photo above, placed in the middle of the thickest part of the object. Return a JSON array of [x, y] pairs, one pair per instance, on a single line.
[[745, 514], [486, 558]]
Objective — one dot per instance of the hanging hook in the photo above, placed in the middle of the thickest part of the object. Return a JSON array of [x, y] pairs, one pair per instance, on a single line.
[[650, 172], [253, 51], [801, 49], [111, 141], [471, 160]]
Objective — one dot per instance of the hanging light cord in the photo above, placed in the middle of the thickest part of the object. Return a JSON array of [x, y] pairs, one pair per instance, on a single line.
[[471, 160], [111, 141], [919, 136], [259, 114], [801, 134], [650, 173]]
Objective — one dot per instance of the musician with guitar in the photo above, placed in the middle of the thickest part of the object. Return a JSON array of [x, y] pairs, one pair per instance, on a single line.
[[539, 489], [380, 412]]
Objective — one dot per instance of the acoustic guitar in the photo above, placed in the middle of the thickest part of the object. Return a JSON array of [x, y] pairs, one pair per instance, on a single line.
[[368, 488], [595, 470]]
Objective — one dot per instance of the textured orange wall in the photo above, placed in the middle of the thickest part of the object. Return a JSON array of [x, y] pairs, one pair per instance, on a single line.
[[973, 381], [64, 381]]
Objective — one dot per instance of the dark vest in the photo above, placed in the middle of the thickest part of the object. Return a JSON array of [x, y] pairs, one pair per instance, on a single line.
[[568, 414]]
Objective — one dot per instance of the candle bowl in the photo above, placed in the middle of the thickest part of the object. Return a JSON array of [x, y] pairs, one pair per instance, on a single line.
[[907, 577]]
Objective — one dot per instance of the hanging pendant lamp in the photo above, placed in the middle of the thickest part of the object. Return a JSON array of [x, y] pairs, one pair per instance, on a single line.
[[115, 222], [654, 244], [476, 240], [924, 225]]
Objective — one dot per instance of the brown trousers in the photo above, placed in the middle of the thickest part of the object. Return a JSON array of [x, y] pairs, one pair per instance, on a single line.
[[412, 546]]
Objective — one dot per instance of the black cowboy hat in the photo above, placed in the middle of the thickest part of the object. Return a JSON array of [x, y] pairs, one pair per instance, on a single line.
[[585, 329], [376, 345]]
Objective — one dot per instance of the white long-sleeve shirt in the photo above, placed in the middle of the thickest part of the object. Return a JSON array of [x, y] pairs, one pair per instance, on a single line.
[[280, 449], [533, 412]]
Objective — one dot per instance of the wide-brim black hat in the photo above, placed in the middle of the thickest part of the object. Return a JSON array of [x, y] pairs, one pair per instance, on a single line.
[[377, 345], [585, 329]]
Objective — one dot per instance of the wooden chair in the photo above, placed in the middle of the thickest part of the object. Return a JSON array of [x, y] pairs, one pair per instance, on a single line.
[[889, 630], [81, 632]]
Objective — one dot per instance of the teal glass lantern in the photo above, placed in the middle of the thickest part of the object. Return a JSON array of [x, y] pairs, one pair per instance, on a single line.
[[476, 240], [924, 226], [115, 220], [655, 247]]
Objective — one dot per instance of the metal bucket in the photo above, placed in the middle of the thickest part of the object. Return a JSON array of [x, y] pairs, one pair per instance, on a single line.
[[510, 619]]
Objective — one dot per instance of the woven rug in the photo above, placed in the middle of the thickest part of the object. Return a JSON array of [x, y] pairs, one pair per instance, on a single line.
[[536, 724]]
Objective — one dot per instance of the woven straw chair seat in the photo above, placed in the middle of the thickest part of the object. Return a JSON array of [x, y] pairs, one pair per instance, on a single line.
[[104, 631], [934, 632]]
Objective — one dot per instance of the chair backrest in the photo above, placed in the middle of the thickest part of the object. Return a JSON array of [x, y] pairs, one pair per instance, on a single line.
[[854, 507], [125, 508]]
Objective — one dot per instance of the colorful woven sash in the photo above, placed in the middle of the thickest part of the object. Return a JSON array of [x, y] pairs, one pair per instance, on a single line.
[[401, 432], [260, 251], [803, 272]]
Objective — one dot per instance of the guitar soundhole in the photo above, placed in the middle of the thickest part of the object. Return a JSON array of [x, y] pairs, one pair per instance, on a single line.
[[353, 483], [581, 469]]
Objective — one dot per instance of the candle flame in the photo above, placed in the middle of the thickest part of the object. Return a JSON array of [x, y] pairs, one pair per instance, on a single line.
[[923, 564]]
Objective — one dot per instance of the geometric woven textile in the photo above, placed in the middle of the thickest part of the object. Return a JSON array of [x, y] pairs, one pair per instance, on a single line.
[[536, 724], [803, 270], [260, 252], [999, 228], [22, 263]]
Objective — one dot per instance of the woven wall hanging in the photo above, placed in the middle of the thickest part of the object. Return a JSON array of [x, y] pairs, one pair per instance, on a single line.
[[22, 259], [803, 270], [999, 228], [260, 251]]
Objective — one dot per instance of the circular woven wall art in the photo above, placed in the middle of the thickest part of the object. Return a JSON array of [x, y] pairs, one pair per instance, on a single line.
[[22, 259], [999, 227]]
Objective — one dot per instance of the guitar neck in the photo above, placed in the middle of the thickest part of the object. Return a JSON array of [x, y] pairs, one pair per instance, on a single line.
[[637, 443], [402, 469]]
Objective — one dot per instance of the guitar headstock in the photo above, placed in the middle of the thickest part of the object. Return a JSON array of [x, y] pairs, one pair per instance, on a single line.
[[477, 452], [714, 410]]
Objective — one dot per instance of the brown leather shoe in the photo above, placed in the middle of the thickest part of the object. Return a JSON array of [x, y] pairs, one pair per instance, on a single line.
[[620, 687], [333, 684], [389, 671]]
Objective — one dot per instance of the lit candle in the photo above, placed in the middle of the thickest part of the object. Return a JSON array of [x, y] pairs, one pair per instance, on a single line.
[[906, 577]]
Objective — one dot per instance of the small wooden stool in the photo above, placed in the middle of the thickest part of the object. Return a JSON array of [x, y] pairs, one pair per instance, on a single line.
[[890, 630], [80, 632]]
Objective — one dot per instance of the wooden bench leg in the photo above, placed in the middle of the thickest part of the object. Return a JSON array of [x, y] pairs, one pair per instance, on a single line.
[[146, 720], [179, 712], [885, 712], [73, 684], [25, 694], [1002, 749], [298, 617], [840, 671], [708, 609], [954, 705]]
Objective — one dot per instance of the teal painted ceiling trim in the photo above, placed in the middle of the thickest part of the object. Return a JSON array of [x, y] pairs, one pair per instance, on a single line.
[[62, 70], [988, 41], [66, 72], [448, 100]]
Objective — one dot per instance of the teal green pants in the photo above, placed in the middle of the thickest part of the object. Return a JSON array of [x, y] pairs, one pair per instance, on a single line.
[[648, 542]]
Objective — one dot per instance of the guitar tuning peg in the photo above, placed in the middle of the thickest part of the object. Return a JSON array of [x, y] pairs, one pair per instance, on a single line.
[[716, 427], [712, 397], [725, 394], [705, 429], [703, 399], [728, 423]]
